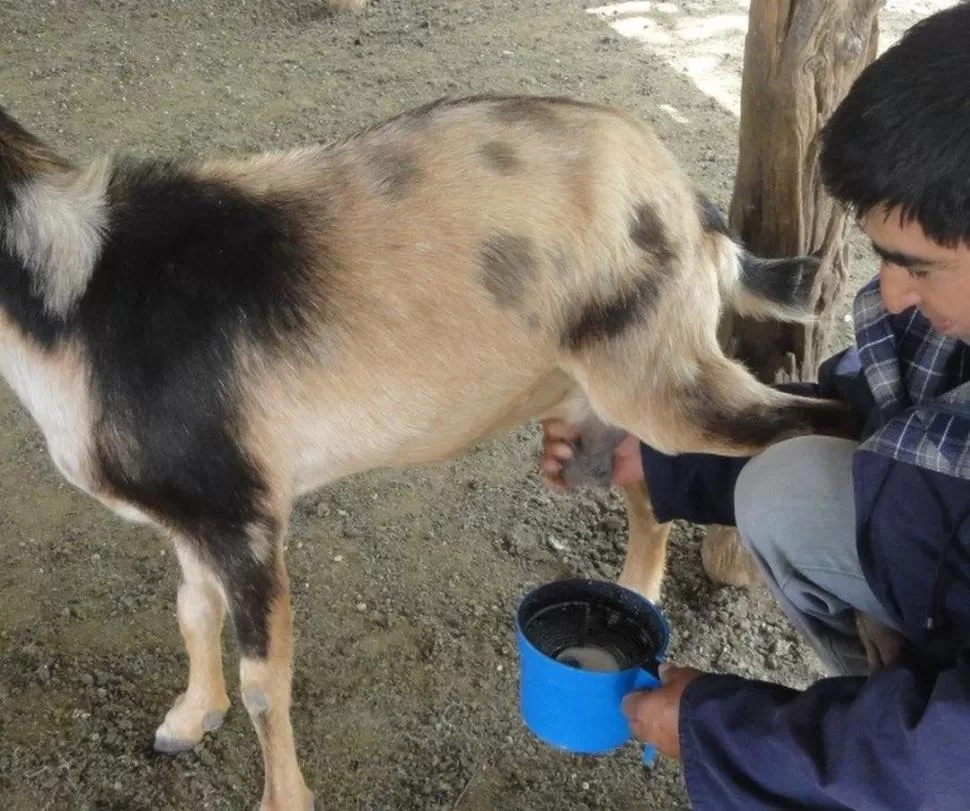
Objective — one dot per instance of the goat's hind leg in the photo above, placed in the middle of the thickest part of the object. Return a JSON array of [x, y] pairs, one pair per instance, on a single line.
[[646, 551], [697, 403], [201, 612]]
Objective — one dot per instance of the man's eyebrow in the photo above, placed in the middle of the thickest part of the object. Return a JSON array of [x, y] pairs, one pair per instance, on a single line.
[[904, 260]]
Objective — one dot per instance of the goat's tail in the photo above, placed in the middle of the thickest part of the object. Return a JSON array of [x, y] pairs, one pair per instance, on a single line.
[[781, 289]]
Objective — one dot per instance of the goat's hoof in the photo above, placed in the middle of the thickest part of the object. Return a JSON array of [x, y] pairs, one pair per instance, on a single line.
[[172, 746], [649, 591], [188, 721], [213, 720], [726, 561]]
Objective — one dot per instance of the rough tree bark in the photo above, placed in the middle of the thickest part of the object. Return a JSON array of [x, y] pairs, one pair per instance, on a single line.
[[800, 58]]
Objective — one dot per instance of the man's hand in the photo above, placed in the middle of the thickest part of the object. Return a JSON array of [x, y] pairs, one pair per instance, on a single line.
[[558, 437], [654, 715]]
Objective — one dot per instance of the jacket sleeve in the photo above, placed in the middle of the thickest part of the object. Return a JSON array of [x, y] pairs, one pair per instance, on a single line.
[[699, 487], [893, 740]]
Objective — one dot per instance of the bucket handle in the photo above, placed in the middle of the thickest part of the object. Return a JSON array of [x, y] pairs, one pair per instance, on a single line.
[[647, 680]]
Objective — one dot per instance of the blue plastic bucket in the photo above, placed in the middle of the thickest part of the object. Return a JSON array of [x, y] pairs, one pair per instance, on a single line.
[[584, 645]]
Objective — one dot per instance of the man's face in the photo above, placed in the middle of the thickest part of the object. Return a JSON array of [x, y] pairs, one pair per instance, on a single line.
[[917, 272]]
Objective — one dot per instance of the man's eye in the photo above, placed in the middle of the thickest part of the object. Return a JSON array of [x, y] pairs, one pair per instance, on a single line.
[[916, 273]]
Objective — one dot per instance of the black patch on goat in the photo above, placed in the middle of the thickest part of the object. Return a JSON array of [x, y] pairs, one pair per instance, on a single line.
[[20, 302], [189, 267], [600, 320], [712, 219], [764, 424], [536, 112], [500, 157], [396, 172], [754, 425], [508, 265], [649, 234], [608, 317]]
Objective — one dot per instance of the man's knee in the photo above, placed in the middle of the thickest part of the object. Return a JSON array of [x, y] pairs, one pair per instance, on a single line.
[[779, 491]]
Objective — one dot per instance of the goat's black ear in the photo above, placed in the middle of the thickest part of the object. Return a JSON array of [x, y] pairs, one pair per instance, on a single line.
[[788, 281]]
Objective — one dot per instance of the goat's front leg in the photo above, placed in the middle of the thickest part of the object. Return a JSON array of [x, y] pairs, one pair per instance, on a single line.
[[258, 590], [201, 611], [646, 552]]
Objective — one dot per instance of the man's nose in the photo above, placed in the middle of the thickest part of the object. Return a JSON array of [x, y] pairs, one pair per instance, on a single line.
[[898, 288]]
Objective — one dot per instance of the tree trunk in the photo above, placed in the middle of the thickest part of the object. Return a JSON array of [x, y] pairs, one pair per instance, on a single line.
[[800, 58]]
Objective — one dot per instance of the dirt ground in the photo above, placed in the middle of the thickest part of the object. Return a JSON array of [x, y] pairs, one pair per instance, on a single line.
[[404, 583]]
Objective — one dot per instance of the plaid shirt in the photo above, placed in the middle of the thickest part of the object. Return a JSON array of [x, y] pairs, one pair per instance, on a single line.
[[919, 379]]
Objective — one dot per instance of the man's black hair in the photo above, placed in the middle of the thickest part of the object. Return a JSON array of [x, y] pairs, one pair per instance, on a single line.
[[901, 136]]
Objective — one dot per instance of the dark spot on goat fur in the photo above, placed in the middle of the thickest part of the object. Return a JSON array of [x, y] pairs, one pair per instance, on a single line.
[[749, 426], [649, 234], [600, 320], [396, 172], [764, 424], [712, 218], [188, 270], [500, 157], [508, 265], [525, 110]]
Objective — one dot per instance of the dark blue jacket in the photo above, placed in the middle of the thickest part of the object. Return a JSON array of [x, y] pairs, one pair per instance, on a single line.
[[899, 739]]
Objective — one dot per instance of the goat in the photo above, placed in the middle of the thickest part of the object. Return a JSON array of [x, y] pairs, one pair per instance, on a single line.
[[201, 342]]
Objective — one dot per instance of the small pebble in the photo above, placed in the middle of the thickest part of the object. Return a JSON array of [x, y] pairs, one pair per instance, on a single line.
[[379, 618], [780, 647]]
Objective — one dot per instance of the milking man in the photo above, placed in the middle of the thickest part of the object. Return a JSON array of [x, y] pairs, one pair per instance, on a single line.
[[880, 525]]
